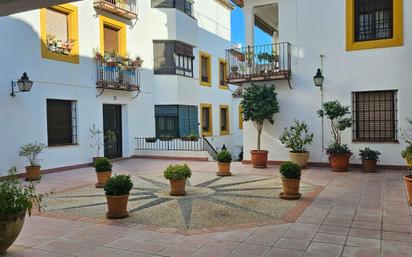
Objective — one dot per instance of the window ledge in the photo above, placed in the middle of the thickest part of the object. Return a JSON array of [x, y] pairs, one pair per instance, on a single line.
[[376, 142], [63, 145]]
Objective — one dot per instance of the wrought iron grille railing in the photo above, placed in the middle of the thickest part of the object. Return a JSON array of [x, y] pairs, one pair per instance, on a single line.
[[127, 5], [117, 77]]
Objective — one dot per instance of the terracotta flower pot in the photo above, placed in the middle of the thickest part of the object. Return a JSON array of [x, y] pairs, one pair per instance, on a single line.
[[177, 187], [33, 173], [340, 162], [223, 169], [408, 183], [117, 206], [369, 165], [10, 228], [290, 186], [102, 178], [259, 158], [299, 158]]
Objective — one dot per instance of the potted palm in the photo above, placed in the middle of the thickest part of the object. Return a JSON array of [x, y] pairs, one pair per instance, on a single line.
[[259, 104], [177, 175], [103, 168], [296, 138], [16, 201], [117, 190], [407, 155], [339, 153], [31, 151], [290, 174], [224, 159], [369, 159]]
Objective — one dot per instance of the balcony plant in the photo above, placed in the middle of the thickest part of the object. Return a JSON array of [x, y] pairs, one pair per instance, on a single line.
[[192, 137], [296, 138], [137, 62], [59, 46], [224, 159], [117, 190], [339, 153], [177, 175], [290, 174], [259, 106], [103, 168], [369, 159], [150, 140], [16, 201], [31, 151]]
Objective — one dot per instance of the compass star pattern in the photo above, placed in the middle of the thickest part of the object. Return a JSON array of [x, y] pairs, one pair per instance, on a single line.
[[210, 201]]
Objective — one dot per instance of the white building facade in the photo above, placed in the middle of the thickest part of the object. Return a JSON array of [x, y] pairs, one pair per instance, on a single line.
[[363, 49], [72, 53]]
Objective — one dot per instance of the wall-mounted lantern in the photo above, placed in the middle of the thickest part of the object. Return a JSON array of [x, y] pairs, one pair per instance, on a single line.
[[318, 78], [24, 84]]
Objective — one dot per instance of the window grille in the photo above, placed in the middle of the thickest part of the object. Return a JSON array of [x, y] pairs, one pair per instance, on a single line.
[[61, 122]]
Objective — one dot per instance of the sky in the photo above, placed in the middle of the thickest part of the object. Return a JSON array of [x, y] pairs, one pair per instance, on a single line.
[[238, 30]]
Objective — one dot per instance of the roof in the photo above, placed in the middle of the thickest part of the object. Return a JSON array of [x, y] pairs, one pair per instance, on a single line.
[[239, 3]]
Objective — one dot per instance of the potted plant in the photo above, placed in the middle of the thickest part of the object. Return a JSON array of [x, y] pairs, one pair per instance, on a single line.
[[296, 138], [137, 62], [177, 175], [407, 155], [191, 137], [31, 151], [234, 70], [117, 190], [97, 142], [259, 104], [150, 140], [339, 154], [290, 174], [103, 168], [369, 159], [16, 201], [224, 159]]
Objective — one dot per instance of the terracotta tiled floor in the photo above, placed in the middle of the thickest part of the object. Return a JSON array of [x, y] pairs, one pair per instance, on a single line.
[[356, 214]]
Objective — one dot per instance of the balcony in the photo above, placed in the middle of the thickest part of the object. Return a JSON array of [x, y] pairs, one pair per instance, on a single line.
[[124, 8], [117, 75], [259, 63]]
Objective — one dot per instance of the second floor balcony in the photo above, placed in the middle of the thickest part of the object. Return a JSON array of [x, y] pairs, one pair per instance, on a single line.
[[124, 8], [259, 63]]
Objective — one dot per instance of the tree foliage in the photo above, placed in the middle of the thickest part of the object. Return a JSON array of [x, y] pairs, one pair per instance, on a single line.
[[296, 137]]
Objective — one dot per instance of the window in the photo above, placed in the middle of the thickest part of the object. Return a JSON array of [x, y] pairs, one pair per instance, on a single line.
[[224, 120], [59, 33], [176, 120], [375, 116], [205, 69], [61, 122], [185, 6], [173, 57], [222, 74], [112, 36], [206, 119], [240, 117], [374, 24]]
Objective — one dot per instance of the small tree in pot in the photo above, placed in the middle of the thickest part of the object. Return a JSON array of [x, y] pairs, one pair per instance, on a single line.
[[339, 154], [97, 141], [117, 190], [177, 175], [103, 168], [296, 138], [259, 104], [31, 151], [291, 175], [15, 201], [369, 159], [224, 159]]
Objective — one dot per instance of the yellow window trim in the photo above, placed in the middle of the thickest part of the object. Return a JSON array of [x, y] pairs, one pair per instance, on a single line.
[[225, 86], [73, 33], [240, 111], [209, 69], [227, 131], [103, 20], [207, 133], [396, 40]]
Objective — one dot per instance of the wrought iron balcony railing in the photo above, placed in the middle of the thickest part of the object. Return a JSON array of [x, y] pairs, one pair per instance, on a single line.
[[259, 63], [117, 77], [124, 8]]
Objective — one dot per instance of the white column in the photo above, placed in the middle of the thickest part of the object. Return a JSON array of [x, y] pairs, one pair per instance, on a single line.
[[249, 25]]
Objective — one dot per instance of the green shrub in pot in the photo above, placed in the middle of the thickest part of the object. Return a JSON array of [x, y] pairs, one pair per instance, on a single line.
[[291, 174]]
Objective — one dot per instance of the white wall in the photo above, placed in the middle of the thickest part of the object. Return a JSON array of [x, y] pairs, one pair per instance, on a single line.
[[318, 27]]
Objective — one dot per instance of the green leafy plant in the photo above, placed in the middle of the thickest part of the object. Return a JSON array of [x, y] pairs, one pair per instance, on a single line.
[[224, 156], [260, 104], [103, 165], [297, 137], [177, 172], [336, 149], [16, 197], [31, 151], [369, 154], [271, 58], [290, 170], [150, 140], [407, 153], [118, 185]]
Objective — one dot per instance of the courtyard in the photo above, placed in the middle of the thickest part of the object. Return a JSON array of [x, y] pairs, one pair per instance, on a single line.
[[340, 214]]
